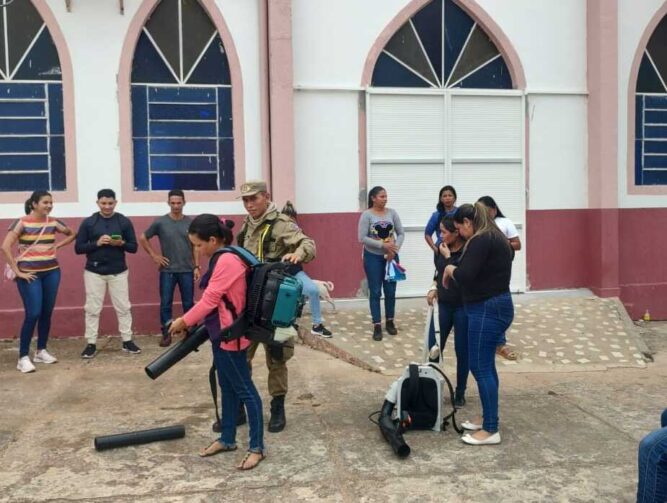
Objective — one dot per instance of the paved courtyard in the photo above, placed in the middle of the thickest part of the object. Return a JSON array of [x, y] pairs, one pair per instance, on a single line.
[[570, 433]]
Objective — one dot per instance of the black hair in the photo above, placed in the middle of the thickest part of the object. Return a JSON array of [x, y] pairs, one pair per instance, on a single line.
[[490, 203], [34, 198], [372, 193], [448, 223], [106, 193], [177, 193], [289, 210], [206, 226], [441, 207]]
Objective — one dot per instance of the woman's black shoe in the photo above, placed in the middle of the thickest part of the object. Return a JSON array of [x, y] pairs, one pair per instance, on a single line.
[[377, 332], [459, 401], [391, 328]]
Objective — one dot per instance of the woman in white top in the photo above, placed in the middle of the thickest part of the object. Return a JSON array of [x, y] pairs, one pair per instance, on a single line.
[[509, 229]]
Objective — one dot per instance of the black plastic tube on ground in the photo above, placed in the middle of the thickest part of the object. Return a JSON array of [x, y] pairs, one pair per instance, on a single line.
[[177, 352], [139, 437]]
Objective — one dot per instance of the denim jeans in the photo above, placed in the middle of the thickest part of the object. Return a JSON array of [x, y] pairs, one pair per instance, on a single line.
[[454, 316], [375, 268], [487, 322], [311, 291], [237, 386], [39, 299], [168, 282], [652, 484]]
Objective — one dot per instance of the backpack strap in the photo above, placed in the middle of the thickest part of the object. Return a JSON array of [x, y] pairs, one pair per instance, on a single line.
[[240, 237], [413, 386], [265, 240]]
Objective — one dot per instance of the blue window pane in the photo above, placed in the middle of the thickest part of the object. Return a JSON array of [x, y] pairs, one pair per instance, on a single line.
[[183, 129], [185, 181], [37, 181], [182, 94], [22, 126], [654, 178], [24, 162], [655, 101], [184, 163], [428, 23], [21, 91], [389, 73], [22, 109], [139, 112], [57, 145], [158, 146], [655, 147], [42, 62], [495, 75], [226, 164], [457, 27], [647, 79], [23, 144], [140, 153], [639, 117], [213, 67], [653, 132], [147, 66], [639, 155], [655, 161], [225, 113], [56, 125], [655, 116], [182, 112]]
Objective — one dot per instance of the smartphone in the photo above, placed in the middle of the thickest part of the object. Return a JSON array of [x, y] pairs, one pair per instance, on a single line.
[[116, 237]]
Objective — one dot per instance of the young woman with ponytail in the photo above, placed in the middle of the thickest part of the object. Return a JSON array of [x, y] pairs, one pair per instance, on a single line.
[[226, 279], [483, 275], [37, 273]]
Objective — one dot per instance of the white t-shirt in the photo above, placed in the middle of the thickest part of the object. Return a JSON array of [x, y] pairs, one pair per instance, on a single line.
[[508, 228]]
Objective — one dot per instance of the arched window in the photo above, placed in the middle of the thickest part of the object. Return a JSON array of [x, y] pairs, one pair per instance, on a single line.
[[181, 102], [32, 142], [651, 111], [441, 46]]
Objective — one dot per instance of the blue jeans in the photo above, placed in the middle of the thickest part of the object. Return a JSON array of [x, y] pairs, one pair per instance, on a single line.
[[168, 282], [237, 387], [652, 484], [375, 268], [39, 299], [454, 316], [310, 290], [487, 322]]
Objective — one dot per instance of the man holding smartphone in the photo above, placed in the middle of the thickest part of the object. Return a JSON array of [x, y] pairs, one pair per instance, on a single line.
[[104, 237]]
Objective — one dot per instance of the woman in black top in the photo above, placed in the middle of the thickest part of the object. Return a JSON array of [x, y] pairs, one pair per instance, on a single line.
[[483, 274], [450, 306]]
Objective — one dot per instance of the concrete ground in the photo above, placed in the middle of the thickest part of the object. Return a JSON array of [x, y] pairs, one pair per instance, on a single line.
[[567, 436]]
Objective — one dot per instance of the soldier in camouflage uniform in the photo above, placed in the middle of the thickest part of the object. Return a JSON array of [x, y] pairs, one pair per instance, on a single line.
[[273, 237]]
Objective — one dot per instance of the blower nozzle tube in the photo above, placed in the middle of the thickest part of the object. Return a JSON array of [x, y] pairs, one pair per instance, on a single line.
[[139, 437], [391, 431], [177, 352]]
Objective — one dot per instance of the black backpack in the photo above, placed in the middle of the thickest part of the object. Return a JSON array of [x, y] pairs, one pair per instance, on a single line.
[[274, 299]]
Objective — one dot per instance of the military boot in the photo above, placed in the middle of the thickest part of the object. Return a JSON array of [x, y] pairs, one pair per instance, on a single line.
[[277, 421]]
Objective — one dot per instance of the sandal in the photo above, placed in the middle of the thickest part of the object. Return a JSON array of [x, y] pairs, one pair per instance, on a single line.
[[216, 448], [243, 465], [507, 353]]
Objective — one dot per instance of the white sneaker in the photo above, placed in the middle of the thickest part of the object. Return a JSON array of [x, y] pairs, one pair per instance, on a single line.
[[491, 440], [25, 365], [43, 356]]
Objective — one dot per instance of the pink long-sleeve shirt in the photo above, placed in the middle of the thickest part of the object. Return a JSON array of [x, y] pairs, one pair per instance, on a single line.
[[228, 278]]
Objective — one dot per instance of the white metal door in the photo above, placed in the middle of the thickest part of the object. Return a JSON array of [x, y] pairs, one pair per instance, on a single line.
[[419, 141]]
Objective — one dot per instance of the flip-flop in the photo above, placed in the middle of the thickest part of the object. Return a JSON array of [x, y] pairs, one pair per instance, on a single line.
[[216, 448], [507, 353], [243, 467]]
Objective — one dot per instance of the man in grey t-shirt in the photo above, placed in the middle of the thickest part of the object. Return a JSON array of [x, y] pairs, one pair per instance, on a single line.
[[177, 261]]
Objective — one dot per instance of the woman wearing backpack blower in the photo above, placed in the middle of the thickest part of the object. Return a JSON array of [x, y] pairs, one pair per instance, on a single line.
[[483, 274], [227, 278]]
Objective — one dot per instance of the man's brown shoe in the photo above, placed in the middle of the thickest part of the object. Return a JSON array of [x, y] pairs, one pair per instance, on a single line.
[[165, 341]]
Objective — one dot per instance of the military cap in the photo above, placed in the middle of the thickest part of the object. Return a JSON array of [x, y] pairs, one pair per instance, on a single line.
[[252, 187]]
